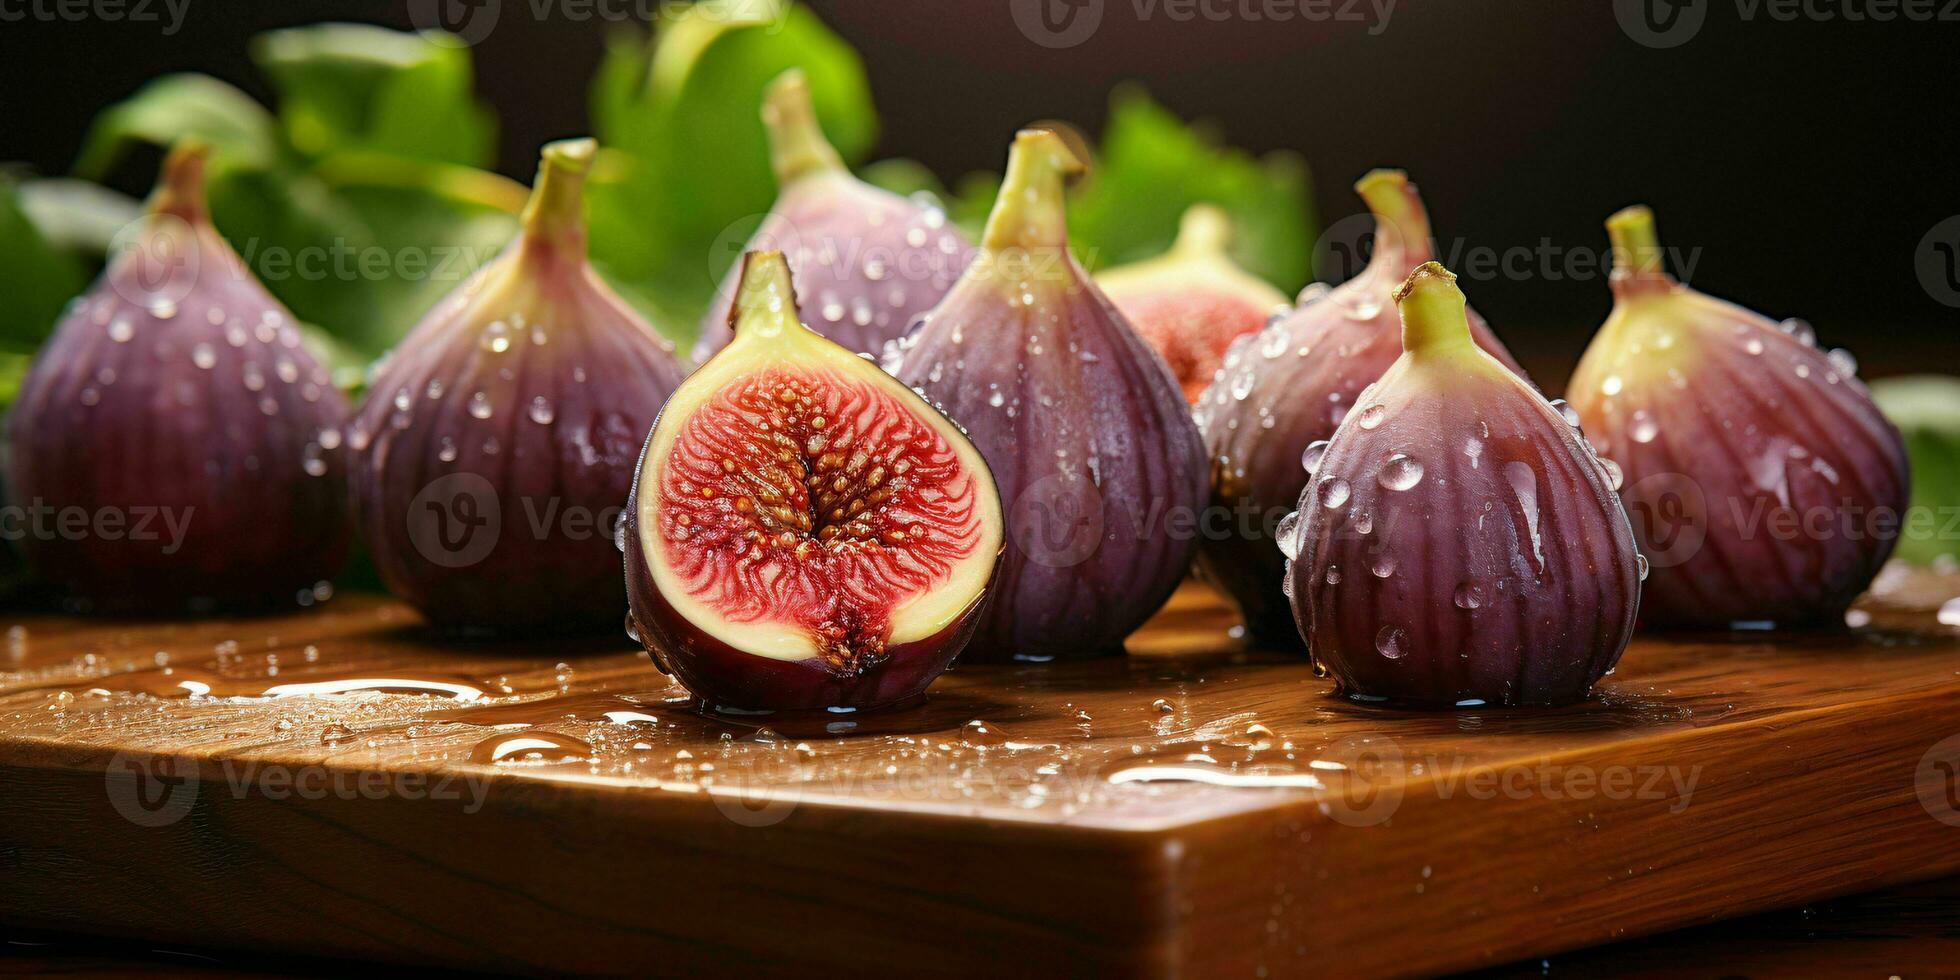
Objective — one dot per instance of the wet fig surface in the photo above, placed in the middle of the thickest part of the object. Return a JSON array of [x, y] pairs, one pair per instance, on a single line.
[[1764, 484], [1459, 543], [496, 445], [1083, 425], [1282, 391], [1191, 302], [805, 533], [866, 262], [177, 412]]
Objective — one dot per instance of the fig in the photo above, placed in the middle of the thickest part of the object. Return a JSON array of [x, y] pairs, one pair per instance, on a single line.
[[496, 443], [1192, 301], [1281, 392], [1082, 423], [804, 532], [867, 261], [1765, 485], [176, 413], [1459, 543]]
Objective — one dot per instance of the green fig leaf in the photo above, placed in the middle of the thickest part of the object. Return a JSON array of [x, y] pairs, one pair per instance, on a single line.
[[77, 216], [175, 106], [36, 279], [1926, 408], [355, 86]]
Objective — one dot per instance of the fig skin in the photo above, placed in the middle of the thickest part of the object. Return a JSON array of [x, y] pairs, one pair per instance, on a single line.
[[724, 677], [539, 380], [1459, 543], [1191, 302], [866, 262], [1288, 386], [1080, 420], [1724, 424], [178, 386]]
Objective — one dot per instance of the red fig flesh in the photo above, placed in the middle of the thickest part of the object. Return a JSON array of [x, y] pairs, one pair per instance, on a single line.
[[1765, 485], [497, 442], [1459, 543], [1287, 387], [176, 409], [1191, 302], [1082, 424], [805, 532], [866, 261]]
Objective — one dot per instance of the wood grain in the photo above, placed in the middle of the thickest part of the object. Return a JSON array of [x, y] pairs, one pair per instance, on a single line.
[[1193, 808]]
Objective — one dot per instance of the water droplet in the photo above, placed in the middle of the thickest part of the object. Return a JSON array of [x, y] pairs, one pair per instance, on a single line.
[[1333, 575], [1610, 470], [1640, 563], [1950, 612], [1274, 345], [996, 399], [204, 357], [1567, 412], [1612, 385], [1242, 383], [1288, 535], [1381, 565], [1469, 595], [1163, 706], [480, 405], [1333, 493], [495, 337], [541, 412], [1754, 347], [1392, 642], [1643, 428], [121, 330], [1842, 360], [1400, 472]]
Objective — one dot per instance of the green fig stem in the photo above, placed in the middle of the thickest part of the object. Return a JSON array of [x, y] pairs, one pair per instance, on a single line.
[[1401, 222], [181, 189], [765, 299], [797, 147], [1637, 256], [1030, 211], [1205, 230], [1433, 318], [555, 215]]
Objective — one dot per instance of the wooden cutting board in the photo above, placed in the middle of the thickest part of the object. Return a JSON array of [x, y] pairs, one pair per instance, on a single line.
[[339, 782]]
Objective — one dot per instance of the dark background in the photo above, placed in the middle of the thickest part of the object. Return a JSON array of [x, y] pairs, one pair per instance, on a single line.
[[1802, 163]]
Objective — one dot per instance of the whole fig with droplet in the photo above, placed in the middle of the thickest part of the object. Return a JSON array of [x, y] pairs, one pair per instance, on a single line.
[[1459, 543], [804, 532], [1191, 302], [175, 445], [496, 444], [867, 262], [1081, 422], [1764, 484], [1283, 390]]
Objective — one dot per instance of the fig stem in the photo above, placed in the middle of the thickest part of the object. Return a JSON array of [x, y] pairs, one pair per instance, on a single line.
[[181, 191], [797, 147], [1636, 248], [1030, 211], [1205, 230], [555, 214], [765, 299], [1433, 318], [1401, 222]]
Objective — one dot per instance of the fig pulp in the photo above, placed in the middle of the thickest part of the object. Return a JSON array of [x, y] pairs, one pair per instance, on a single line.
[[176, 411], [805, 532], [497, 442], [1282, 391], [1764, 484], [1459, 543], [1084, 427], [1191, 302], [867, 261]]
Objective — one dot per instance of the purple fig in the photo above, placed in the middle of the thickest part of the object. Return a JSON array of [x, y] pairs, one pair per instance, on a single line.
[[805, 533], [1282, 391], [865, 260], [1191, 302], [1765, 485], [1081, 422], [496, 444], [177, 414], [1459, 543]]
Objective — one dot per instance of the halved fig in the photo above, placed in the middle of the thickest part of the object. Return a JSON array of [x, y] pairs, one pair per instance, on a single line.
[[805, 532]]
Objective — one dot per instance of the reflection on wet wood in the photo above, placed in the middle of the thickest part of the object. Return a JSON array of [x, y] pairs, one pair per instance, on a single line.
[[342, 783]]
